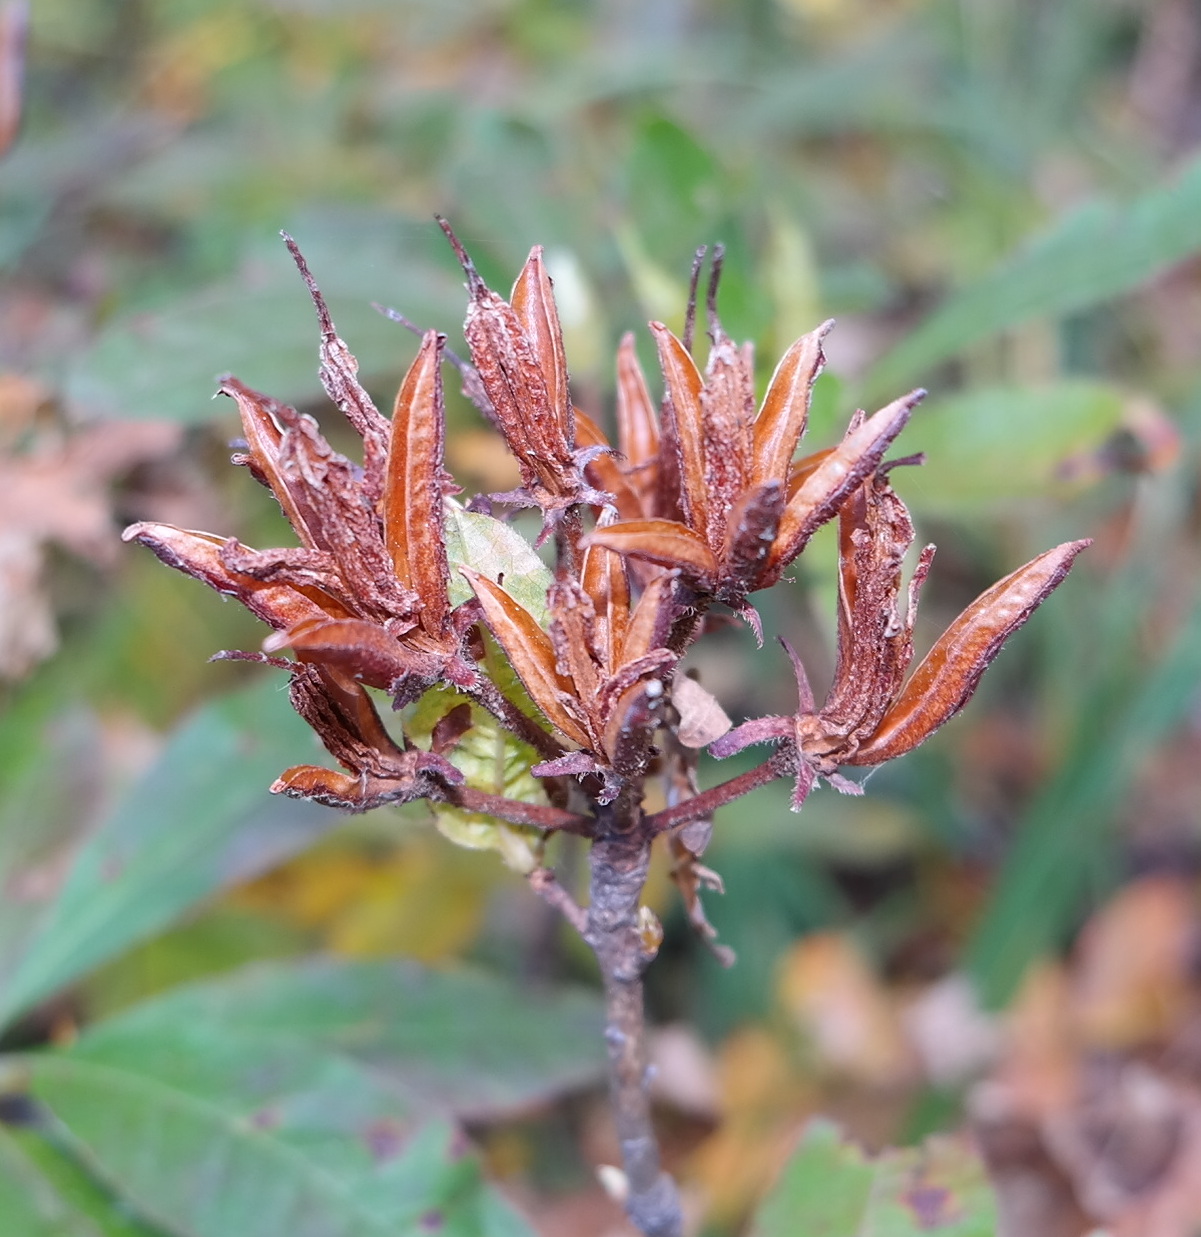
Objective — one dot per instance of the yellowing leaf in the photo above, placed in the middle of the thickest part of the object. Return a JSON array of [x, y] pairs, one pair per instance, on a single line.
[[491, 759]]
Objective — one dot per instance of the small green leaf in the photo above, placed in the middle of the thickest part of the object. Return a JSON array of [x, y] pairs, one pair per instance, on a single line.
[[495, 549], [201, 819], [829, 1188], [493, 760]]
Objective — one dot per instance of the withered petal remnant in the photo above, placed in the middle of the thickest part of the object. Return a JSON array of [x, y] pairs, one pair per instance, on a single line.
[[713, 490], [872, 713]]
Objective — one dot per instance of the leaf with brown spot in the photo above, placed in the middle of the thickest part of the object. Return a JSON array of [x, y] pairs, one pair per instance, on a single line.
[[785, 412], [684, 384], [661, 541], [944, 682], [412, 498], [829, 1185], [530, 651]]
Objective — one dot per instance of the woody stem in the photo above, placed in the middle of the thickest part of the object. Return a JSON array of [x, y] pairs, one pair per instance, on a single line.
[[619, 861], [778, 764]]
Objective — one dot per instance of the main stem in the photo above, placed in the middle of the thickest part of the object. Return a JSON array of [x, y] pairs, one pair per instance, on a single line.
[[619, 861]]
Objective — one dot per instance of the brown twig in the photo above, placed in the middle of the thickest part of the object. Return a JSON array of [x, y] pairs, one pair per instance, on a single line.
[[537, 815], [545, 884], [778, 764], [484, 692]]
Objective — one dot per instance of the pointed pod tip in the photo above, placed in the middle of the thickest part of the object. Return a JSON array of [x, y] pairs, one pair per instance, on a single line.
[[1065, 555], [475, 282]]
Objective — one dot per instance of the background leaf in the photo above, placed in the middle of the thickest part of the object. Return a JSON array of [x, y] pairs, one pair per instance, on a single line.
[[989, 446], [517, 1046], [290, 1100], [1090, 255], [830, 1187], [201, 1164], [163, 360], [1046, 874], [199, 820], [45, 1193]]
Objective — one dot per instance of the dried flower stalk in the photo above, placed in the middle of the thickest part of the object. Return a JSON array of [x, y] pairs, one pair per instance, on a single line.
[[702, 503]]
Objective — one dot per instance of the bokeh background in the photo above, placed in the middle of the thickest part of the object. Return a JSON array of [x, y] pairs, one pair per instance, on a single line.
[[998, 202]]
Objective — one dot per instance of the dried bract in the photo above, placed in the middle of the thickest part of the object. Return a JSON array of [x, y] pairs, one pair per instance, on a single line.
[[364, 598], [517, 349], [713, 490], [871, 713]]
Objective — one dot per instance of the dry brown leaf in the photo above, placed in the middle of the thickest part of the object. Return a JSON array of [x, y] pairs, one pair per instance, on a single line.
[[56, 492], [1131, 983], [685, 1074], [845, 1011], [702, 719]]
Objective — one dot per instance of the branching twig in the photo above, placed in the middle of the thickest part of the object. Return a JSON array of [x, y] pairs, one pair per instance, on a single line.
[[779, 764], [538, 815], [545, 884]]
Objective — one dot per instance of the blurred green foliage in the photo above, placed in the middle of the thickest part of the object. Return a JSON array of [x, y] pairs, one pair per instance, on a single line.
[[996, 200]]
